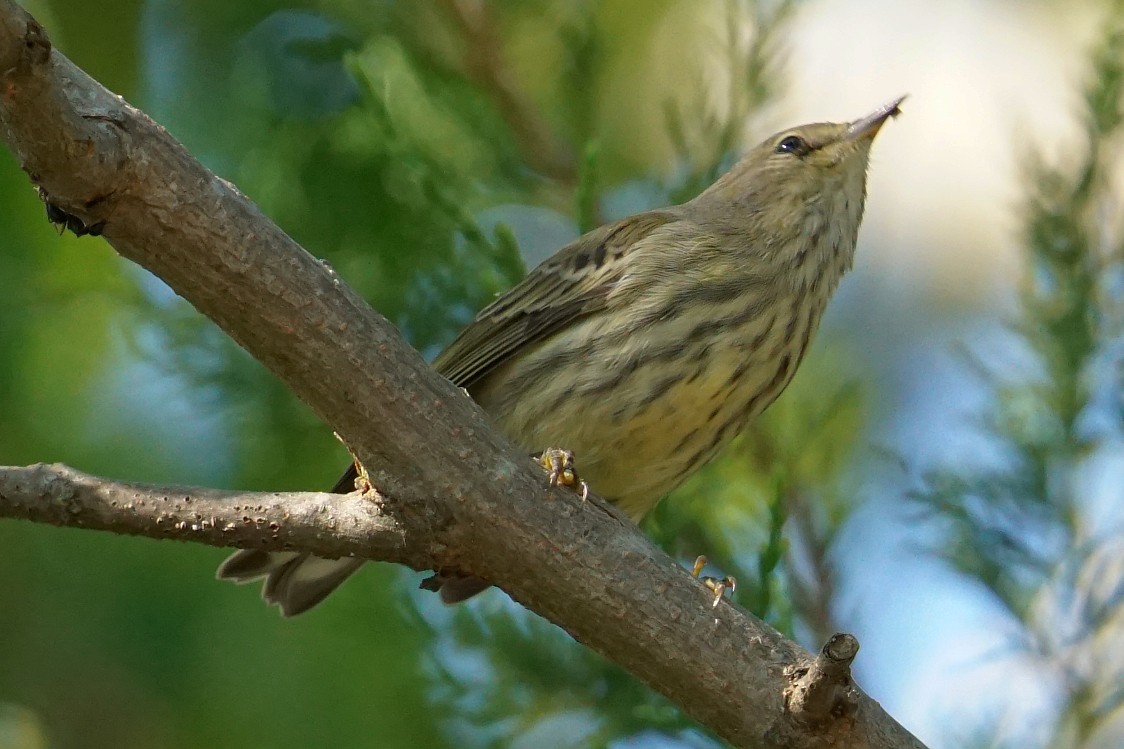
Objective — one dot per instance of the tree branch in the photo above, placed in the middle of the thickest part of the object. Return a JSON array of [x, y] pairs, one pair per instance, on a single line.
[[329, 525], [438, 464]]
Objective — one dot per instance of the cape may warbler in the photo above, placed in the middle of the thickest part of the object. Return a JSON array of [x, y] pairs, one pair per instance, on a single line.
[[659, 336]]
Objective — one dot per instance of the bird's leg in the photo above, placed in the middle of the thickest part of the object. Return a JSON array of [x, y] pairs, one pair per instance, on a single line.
[[718, 587], [362, 482], [560, 464]]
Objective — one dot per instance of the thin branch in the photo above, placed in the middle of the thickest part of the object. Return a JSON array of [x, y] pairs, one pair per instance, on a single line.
[[328, 525], [430, 451]]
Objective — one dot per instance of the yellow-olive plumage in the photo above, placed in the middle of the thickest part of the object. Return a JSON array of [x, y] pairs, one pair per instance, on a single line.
[[647, 344]]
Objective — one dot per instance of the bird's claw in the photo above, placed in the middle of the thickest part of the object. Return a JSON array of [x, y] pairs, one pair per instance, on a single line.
[[718, 586], [560, 465], [362, 479]]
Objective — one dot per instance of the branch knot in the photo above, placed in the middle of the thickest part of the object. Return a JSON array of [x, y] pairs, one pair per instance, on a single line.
[[36, 45], [821, 689]]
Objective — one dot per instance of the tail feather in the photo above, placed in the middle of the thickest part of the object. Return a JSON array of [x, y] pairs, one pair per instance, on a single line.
[[248, 565], [304, 582], [295, 582]]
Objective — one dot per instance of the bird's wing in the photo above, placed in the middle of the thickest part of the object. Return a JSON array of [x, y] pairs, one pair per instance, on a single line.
[[572, 283]]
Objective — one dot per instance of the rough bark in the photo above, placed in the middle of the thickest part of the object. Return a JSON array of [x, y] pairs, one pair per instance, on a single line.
[[462, 498], [335, 525]]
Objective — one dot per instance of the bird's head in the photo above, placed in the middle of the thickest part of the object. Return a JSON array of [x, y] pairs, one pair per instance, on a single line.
[[802, 166], [797, 197]]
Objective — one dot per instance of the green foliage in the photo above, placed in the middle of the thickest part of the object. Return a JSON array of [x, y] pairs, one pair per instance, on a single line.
[[706, 131], [1031, 528], [541, 688], [378, 135]]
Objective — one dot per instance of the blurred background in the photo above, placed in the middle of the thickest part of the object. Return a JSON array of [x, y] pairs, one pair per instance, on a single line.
[[944, 478]]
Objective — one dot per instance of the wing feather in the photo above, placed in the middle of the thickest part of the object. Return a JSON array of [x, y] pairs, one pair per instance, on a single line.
[[572, 283]]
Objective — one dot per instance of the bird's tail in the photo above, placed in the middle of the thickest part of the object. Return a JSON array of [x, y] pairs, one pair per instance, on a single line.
[[297, 581], [293, 581]]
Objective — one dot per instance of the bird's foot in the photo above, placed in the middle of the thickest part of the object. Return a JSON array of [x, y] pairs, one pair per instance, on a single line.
[[362, 479], [717, 586], [356, 478], [560, 464]]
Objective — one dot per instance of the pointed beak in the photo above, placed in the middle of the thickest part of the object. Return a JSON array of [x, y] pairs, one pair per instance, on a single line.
[[868, 127]]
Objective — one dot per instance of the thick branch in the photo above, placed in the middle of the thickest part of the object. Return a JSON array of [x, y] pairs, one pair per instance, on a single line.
[[427, 447]]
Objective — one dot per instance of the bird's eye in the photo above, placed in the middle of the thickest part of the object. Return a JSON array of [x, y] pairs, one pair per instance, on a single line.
[[793, 144]]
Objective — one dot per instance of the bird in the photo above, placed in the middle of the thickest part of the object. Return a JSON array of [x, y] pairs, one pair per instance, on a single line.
[[646, 345]]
